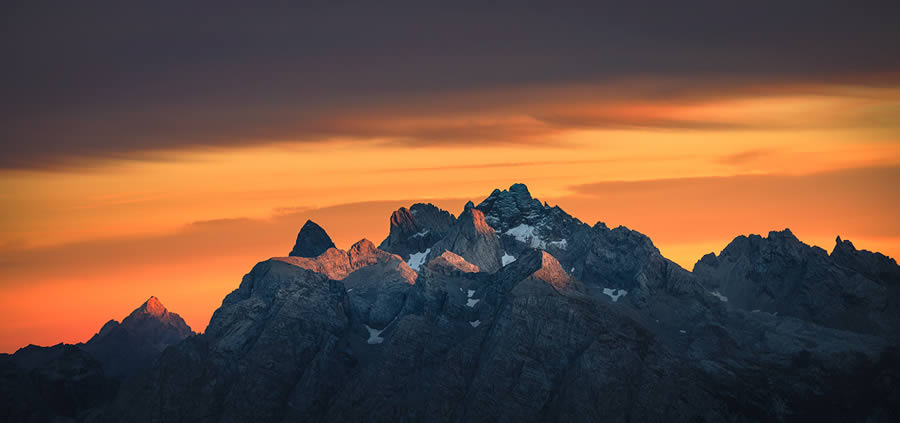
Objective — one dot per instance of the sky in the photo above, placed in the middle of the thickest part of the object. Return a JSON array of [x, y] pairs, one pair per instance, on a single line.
[[163, 149]]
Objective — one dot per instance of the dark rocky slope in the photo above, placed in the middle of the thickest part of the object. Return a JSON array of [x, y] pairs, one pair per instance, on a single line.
[[74, 382], [616, 332], [586, 324]]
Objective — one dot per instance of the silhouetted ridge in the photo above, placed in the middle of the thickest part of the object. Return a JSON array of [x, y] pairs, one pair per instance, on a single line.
[[312, 241], [517, 311]]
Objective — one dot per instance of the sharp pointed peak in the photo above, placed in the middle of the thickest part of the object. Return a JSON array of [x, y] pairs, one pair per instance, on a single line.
[[312, 241], [153, 306]]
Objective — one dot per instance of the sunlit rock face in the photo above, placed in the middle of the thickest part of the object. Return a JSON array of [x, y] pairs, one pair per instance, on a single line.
[[472, 239], [416, 229], [516, 311]]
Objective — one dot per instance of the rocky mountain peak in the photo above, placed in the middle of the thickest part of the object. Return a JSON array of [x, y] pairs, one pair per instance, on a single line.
[[783, 243], [842, 246], [875, 266], [450, 263], [312, 241], [473, 239], [539, 265], [126, 347], [509, 208], [152, 307], [403, 219], [474, 219], [416, 229]]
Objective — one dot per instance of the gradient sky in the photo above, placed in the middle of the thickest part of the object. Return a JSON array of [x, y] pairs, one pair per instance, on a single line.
[[163, 149]]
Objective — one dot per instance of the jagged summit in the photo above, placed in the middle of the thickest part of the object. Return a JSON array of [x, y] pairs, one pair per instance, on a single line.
[[550, 336], [539, 265], [872, 264], [472, 239], [416, 229], [508, 208], [127, 347], [312, 241], [152, 307]]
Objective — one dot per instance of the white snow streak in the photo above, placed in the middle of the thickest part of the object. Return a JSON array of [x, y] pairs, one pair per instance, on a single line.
[[721, 297], [525, 233], [374, 335], [615, 293], [416, 260]]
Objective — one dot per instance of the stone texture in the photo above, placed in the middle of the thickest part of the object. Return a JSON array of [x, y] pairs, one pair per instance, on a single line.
[[472, 239], [359, 336], [312, 241], [127, 347], [780, 274], [416, 229]]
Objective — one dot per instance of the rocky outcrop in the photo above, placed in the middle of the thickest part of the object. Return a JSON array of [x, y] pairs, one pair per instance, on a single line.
[[450, 263], [472, 239], [337, 264], [539, 272], [875, 266], [127, 347], [312, 241], [59, 383], [626, 261], [524, 223], [617, 333], [416, 229], [780, 274]]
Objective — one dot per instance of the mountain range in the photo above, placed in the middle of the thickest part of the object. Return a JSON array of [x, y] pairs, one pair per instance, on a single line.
[[514, 311]]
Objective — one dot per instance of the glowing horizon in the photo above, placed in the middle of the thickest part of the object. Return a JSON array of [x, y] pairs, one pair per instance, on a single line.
[[171, 168]]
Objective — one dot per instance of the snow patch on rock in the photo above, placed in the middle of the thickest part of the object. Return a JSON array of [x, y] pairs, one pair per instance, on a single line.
[[525, 233], [475, 323], [374, 335], [561, 244], [416, 260], [615, 293], [507, 259], [471, 302], [721, 297]]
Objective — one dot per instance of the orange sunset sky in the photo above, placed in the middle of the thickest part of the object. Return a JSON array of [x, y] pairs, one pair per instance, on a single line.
[[173, 171]]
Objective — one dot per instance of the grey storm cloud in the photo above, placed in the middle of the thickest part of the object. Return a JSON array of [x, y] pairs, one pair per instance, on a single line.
[[93, 80]]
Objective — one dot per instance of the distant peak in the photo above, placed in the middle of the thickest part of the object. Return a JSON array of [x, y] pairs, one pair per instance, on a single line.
[[786, 233], [843, 246], [363, 246], [476, 217], [519, 188], [312, 241], [152, 307]]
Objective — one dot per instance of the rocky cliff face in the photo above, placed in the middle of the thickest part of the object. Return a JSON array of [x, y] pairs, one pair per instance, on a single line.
[[472, 239], [605, 329], [124, 348], [524, 223], [848, 290], [312, 241], [415, 230]]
